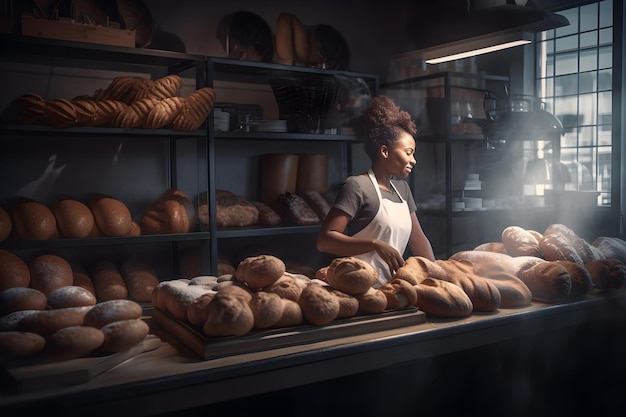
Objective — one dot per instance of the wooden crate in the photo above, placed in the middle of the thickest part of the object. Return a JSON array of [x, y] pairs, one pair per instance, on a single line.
[[55, 29]]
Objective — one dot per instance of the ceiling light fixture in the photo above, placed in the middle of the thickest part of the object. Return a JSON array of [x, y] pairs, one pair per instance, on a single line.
[[475, 46]]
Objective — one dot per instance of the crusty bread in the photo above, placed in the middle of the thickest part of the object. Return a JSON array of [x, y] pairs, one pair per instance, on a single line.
[[107, 312], [319, 306], [123, 334], [195, 109], [228, 314], [373, 301], [607, 274], [348, 304], [417, 268], [172, 212], [231, 210], [582, 282], [483, 293], [163, 113], [49, 272], [73, 342], [29, 108], [497, 247], [162, 88], [47, 322], [548, 281], [140, 278], [267, 309], [111, 215], [260, 271], [60, 113], [292, 314], [135, 115], [611, 247], [519, 242], [71, 296], [126, 88], [17, 344], [513, 291], [439, 298], [267, 215], [198, 309], [557, 247], [33, 220], [399, 293], [74, 219], [286, 287], [351, 275], [108, 281], [86, 111], [14, 272], [21, 298]]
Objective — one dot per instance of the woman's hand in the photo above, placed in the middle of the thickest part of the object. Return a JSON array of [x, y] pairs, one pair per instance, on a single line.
[[389, 254]]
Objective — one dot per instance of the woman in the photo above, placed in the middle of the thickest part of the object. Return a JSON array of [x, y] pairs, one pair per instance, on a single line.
[[373, 217]]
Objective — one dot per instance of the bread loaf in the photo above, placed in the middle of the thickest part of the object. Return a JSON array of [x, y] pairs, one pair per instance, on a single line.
[[126, 89], [194, 110], [49, 272], [107, 312], [285, 287], [439, 298], [198, 309], [163, 113], [228, 315], [140, 279], [108, 281], [178, 298], [14, 272], [513, 291], [106, 111], [399, 293], [267, 309], [483, 294], [267, 215], [47, 322], [86, 112], [519, 242], [373, 301], [135, 115], [172, 212], [351, 275], [60, 113], [111, 215], [74, 219], [123, 335], [417, 268], [548, 281], [260, 271], [607, 274], [163, 88], [611, 247], [348, 304], [292, 314], [582, 283], [557, 247], [21, 298], [33, 220], [319, 306], [5, 224], [11, 321], [497, 247], [73, 342], [233, 210], [29, 108], [82, 279], [293, 208], [18, 345], [317, 202], [71, 296]]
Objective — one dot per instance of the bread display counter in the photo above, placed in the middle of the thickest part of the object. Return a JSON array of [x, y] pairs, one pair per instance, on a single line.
[[171, 378]]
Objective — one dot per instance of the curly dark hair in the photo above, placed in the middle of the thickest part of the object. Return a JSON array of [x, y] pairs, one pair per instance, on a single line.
[[381, 124]]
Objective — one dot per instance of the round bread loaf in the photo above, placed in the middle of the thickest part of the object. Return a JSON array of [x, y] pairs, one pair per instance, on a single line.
[[140, 279], [33, 220], [135, 229], [198, 310], [399, 294], [5, 224], [21, 298], [260, 271], [267, 309], [351, 275], [109, 311], [47, 322], [228, 314], [11, 321], [319, 306], [112, 216], [519, 242], [348, 304], [14, 272], [17, 345], [417, 268], [74, 219], [73, 342], [160, 294], [286, 287], [71, 296], [292, 314], [557, 247], [49, 272], [373, 301], [178, 298], [108, 281], [123, 335]]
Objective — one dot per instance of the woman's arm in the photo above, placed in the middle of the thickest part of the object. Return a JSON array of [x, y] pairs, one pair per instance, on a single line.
[[418, 242]]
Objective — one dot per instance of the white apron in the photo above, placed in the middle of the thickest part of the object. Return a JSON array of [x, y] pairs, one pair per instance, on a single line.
[[391, 224]]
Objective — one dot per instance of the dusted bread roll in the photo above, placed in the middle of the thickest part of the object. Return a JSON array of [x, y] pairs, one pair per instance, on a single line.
[[33, 220], [73, 342], [112, 216], [519, 242], [351, 275], [50, 272], [292, 314], [439, 298], [286, 287], [11, 321], [260, 271], [14, 272], [20, 299], [71, 296], [47, 322], [417, 268], [229, 314], [348, 304], [123, 335], [611, 247], [111, 311], [18, 345], [198, 310], [267, 309], [319, 306], [74, 219]]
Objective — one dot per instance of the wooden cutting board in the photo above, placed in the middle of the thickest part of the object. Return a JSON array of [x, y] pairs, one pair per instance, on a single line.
[[25, 377], [206, 347]]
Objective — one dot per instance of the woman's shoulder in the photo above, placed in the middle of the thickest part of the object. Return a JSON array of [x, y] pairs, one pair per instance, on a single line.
[[358, 181]]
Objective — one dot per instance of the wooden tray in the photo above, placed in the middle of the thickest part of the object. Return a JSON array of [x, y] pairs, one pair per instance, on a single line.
[[28, 377], [206, 347]]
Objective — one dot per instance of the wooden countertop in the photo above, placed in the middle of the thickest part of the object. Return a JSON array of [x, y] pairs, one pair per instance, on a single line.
[[171, 378]]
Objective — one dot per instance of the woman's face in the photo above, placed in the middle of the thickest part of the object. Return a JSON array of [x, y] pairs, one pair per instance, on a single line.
[[401, 157]]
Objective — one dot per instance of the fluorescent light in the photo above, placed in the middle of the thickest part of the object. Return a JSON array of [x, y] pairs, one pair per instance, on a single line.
[[475, 46]]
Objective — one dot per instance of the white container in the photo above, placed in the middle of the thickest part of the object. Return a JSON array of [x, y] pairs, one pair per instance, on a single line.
[[222, 120]]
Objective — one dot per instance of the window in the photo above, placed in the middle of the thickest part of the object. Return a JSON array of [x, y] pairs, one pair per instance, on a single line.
[[574, 80]]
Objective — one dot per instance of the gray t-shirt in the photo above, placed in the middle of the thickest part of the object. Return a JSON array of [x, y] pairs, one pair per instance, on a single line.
[[357, 198]]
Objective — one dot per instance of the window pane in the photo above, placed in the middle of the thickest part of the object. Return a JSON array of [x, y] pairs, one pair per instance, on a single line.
[[566, 44], [586, 168], [589, 17], [565, 105], [586, 136], [566, 63], [587, 108], [605, 79], [605, 57], [568, 155], [606, 13], [605, 36], [566, 85], [572, 16], [604, 131], [605, 102], [588, 59], [587, 82], [589, 39]]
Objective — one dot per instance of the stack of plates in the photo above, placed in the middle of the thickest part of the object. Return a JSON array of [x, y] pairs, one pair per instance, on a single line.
[[269, 125], [222, 120]]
